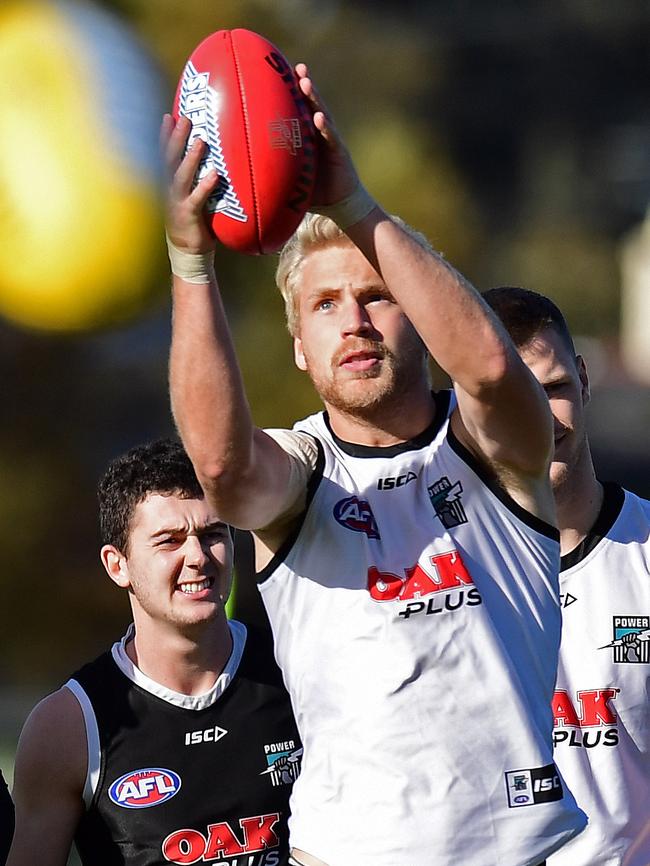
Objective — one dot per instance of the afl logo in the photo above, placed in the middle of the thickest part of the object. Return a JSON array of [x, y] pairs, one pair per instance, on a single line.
[[140, 789], [356, 514]]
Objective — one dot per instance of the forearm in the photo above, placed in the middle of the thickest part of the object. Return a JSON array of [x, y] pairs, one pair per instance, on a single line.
[[458, 328], [504, 410], [207, 393], [242, 470]]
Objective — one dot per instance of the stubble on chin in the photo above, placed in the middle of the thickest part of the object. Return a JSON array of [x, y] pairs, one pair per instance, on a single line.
[[369, 391], [364, 392]]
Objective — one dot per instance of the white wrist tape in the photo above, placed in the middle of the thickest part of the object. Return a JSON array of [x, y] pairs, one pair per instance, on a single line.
[[350, 210], [197, 268]]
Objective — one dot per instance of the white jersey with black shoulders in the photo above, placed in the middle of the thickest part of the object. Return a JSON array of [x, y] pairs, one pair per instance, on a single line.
[[602, 699], [417, 622]]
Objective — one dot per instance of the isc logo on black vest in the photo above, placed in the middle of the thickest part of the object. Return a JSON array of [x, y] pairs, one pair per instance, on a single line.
[[209, 735]]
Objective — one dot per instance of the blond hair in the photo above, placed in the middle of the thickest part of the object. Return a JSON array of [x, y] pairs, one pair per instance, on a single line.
[[315, 232]]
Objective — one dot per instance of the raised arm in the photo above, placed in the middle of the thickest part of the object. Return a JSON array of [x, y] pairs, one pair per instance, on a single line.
[[244, 472], [503, 415], [49, 778]]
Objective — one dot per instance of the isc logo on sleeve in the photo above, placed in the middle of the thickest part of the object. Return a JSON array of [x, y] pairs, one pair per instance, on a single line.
[[141, 789], [537, 785]]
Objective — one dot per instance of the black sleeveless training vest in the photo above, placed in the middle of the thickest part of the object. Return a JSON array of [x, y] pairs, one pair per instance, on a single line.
[[187, 786]]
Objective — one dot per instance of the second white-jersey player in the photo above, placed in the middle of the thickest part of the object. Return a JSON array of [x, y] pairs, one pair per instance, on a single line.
[[601, 706]]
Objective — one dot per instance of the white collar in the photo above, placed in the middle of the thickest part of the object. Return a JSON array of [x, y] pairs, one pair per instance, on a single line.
[[188, 702]]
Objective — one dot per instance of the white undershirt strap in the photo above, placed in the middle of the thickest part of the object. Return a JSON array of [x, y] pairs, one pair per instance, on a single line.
[[92, 741]]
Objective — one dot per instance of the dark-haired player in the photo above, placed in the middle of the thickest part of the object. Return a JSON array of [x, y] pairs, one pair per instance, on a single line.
[[601, 706], [406, 545], [179, 744]]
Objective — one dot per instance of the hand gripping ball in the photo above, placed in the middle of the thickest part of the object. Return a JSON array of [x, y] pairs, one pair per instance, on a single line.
[[242, 97], [80, 203]]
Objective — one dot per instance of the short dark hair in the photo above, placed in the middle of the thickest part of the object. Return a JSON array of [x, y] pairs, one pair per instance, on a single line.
[[161, 467], [525, 314]]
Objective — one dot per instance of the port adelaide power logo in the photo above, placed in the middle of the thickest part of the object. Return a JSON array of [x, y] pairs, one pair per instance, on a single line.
[[445, 499], [631, 640], [282, 762]]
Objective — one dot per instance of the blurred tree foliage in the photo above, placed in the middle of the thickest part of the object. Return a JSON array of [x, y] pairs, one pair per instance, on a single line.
[[514, 134]]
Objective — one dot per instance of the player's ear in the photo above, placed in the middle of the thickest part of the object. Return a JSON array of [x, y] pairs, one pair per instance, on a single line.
[[298, 354], [116, 565], [584, 379]]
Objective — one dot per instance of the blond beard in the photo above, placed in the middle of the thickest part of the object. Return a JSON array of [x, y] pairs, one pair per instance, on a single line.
[[370, 391]]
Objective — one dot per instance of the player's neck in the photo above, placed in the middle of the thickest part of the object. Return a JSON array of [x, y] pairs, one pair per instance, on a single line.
[[188, 662], [396, 420], [578, 502]]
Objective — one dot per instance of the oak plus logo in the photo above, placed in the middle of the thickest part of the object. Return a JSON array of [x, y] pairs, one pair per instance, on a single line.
[[253, 843], [356, 514], [631, 641], [585, 720], [441, 584]]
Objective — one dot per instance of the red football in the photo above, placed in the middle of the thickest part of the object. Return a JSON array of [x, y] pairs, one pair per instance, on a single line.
[[242, 97]]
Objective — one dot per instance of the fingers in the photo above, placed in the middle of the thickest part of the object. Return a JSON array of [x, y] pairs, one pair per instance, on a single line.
[[321, 116], [322, 125], [187, 194], [173, 140], [337, 176], [308, 88], [165, 131], [183, 162], [188, 166], [204, 189]]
